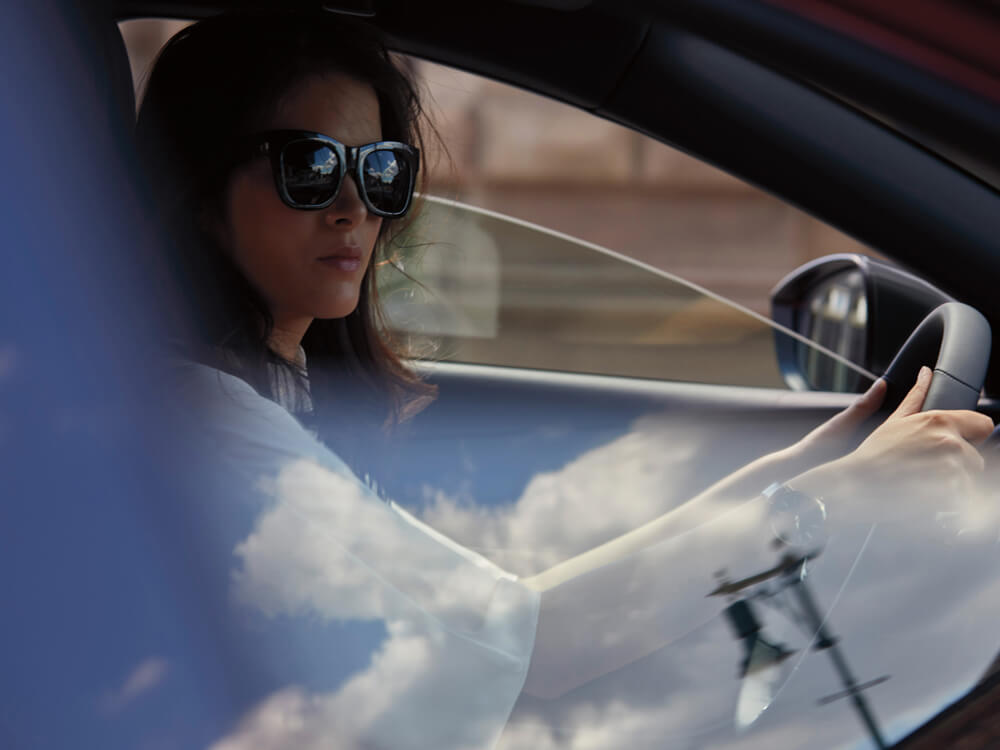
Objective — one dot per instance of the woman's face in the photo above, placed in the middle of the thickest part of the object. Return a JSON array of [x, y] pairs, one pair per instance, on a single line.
[[306, 264]]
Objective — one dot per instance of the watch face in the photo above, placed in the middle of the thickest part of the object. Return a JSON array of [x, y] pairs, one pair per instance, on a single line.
[[797, 519]]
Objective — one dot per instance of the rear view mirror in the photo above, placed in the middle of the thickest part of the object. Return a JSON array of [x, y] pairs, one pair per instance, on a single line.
[[858, 308]]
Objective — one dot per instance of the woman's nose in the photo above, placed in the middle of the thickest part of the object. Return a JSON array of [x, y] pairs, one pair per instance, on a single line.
[[348, 209]]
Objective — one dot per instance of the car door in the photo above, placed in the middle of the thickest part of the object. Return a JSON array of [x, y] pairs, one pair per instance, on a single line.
[[583, 393]]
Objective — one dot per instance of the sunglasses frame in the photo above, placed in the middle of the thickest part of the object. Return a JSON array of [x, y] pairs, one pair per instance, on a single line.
[[351, 159]]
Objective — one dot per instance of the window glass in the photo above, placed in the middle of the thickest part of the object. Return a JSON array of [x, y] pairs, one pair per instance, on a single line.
[[683, 295], [557, 166], [359, 622], [502, 292]]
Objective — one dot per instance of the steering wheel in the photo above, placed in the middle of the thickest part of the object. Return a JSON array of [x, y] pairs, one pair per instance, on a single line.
[[958, 339]]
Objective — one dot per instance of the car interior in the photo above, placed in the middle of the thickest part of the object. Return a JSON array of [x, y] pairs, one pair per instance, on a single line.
[[880, 149]]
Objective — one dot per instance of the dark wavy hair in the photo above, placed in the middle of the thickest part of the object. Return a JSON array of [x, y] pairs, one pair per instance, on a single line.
[[223, 78]]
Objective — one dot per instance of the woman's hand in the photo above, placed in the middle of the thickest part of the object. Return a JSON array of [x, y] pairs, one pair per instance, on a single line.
[[834, 437], [915, 461]]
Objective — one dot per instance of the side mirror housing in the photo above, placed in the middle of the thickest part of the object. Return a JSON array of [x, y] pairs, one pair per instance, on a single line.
[[859, 308]]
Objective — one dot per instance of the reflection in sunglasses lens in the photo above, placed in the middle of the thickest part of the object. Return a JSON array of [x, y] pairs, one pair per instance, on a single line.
[[311, 172], [387, 180]]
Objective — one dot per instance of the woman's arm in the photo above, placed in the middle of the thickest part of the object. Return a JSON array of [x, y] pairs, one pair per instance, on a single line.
[[597, 611], [618, 602]]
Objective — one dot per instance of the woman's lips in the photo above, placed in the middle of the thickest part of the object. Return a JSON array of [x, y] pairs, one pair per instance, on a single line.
[[344, 259]]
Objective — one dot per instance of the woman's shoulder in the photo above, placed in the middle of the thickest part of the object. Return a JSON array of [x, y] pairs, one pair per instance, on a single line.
[[226, 406], [216, 391], [188, 376]]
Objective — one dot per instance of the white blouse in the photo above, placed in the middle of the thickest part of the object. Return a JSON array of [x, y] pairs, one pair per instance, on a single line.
[[453, 632]]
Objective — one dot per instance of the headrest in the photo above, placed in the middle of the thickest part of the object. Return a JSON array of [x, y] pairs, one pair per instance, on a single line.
[[121, 91]]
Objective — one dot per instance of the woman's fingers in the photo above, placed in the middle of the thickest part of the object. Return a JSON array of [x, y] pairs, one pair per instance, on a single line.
[[828, 436], [863, 407], [970, 425], [929, 458], [914, 400]]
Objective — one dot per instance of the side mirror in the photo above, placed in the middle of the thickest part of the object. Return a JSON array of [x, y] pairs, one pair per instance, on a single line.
[[856, 307]]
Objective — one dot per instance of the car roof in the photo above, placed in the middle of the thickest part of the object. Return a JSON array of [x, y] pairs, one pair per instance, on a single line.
[[930, 69]]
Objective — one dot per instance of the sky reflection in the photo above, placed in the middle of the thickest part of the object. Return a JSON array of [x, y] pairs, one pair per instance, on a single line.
[[914, 606]]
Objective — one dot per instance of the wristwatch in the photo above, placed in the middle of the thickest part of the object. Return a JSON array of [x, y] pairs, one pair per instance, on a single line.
[[798, 520]]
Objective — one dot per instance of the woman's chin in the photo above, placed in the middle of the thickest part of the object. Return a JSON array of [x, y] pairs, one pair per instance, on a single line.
[[339, 308]]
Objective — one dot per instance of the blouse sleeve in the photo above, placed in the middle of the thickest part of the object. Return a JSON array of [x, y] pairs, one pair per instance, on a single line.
[[459, 631]]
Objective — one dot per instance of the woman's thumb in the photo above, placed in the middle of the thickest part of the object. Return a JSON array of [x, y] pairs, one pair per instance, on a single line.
[[915, 398]]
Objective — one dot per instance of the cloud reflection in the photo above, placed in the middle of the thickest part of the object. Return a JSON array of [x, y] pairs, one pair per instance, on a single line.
[[918, 606], [143, 678], [914, 607], [8, 360], [601, 494], [459, 630]]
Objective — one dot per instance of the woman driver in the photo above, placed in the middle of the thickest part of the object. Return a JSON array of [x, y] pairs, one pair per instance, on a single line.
[[283, 151]]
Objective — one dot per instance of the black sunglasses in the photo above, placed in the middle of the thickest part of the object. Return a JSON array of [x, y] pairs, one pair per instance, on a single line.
[[309, 170]]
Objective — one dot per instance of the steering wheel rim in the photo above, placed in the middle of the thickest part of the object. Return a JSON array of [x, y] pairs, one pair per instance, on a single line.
[[957, 338]]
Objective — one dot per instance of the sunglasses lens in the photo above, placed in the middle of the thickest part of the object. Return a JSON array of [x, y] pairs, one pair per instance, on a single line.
[[388, 177], [311, 172]]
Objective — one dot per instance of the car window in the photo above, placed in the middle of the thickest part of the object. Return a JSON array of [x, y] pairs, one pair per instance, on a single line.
[[553, 239], [503, 292], [550, 240]]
